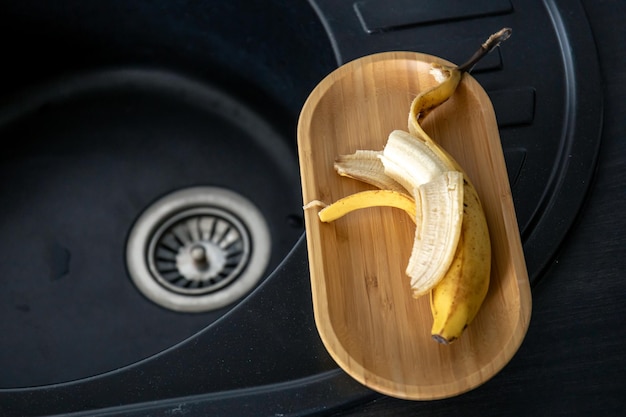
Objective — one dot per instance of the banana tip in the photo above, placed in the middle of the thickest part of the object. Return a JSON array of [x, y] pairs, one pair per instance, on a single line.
[[442, 340]]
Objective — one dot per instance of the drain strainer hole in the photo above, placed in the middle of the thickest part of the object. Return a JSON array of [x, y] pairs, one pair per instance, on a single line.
[[198, 249]]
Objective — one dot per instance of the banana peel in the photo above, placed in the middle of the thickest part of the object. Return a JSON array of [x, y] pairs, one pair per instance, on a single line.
[[367, 199], [451, 255]]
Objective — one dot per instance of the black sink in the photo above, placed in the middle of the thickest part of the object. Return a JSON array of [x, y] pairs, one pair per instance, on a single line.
[[106, 108]]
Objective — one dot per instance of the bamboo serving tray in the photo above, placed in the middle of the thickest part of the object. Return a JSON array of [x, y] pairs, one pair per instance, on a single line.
[[364, 312]]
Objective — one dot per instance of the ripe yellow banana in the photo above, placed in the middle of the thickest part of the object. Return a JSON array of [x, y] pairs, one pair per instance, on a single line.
[[455, 301], [451, 256]]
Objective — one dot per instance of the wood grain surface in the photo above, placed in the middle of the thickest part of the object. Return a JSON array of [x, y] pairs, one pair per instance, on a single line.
[[365, 314]]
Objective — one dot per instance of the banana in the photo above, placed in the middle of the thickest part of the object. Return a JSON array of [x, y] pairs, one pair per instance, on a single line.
[[407, 165], [456, 300], [451, 255]]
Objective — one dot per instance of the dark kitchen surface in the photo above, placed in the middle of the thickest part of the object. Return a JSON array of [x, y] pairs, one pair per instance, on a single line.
[[572, 360], [558, 88]]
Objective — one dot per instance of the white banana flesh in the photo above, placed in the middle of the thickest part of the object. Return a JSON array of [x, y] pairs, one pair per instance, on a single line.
[[440, 228], [409, 161], [366, 166]]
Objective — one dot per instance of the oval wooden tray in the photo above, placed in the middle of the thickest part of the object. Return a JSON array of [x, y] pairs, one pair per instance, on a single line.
[[363, 308]]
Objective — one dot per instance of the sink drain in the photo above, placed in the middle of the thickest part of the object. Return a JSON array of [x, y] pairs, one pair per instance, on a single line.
[[198, 249]]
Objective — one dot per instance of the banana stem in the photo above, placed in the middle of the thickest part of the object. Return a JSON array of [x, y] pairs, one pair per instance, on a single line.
[[493, 41]]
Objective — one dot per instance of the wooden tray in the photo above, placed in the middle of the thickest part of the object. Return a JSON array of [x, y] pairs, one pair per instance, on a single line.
[[364, 311]]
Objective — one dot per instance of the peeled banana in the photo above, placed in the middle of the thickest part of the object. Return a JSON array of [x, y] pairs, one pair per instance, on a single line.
[[451, 255]]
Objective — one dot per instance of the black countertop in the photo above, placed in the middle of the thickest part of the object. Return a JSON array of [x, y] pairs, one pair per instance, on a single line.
[[572, 360]]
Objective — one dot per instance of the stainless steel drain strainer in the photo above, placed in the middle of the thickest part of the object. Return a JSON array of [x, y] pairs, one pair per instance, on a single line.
[[198, 249]]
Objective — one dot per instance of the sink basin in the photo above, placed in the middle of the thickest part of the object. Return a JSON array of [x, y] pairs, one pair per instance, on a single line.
[[92, 153], [107, 109]]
